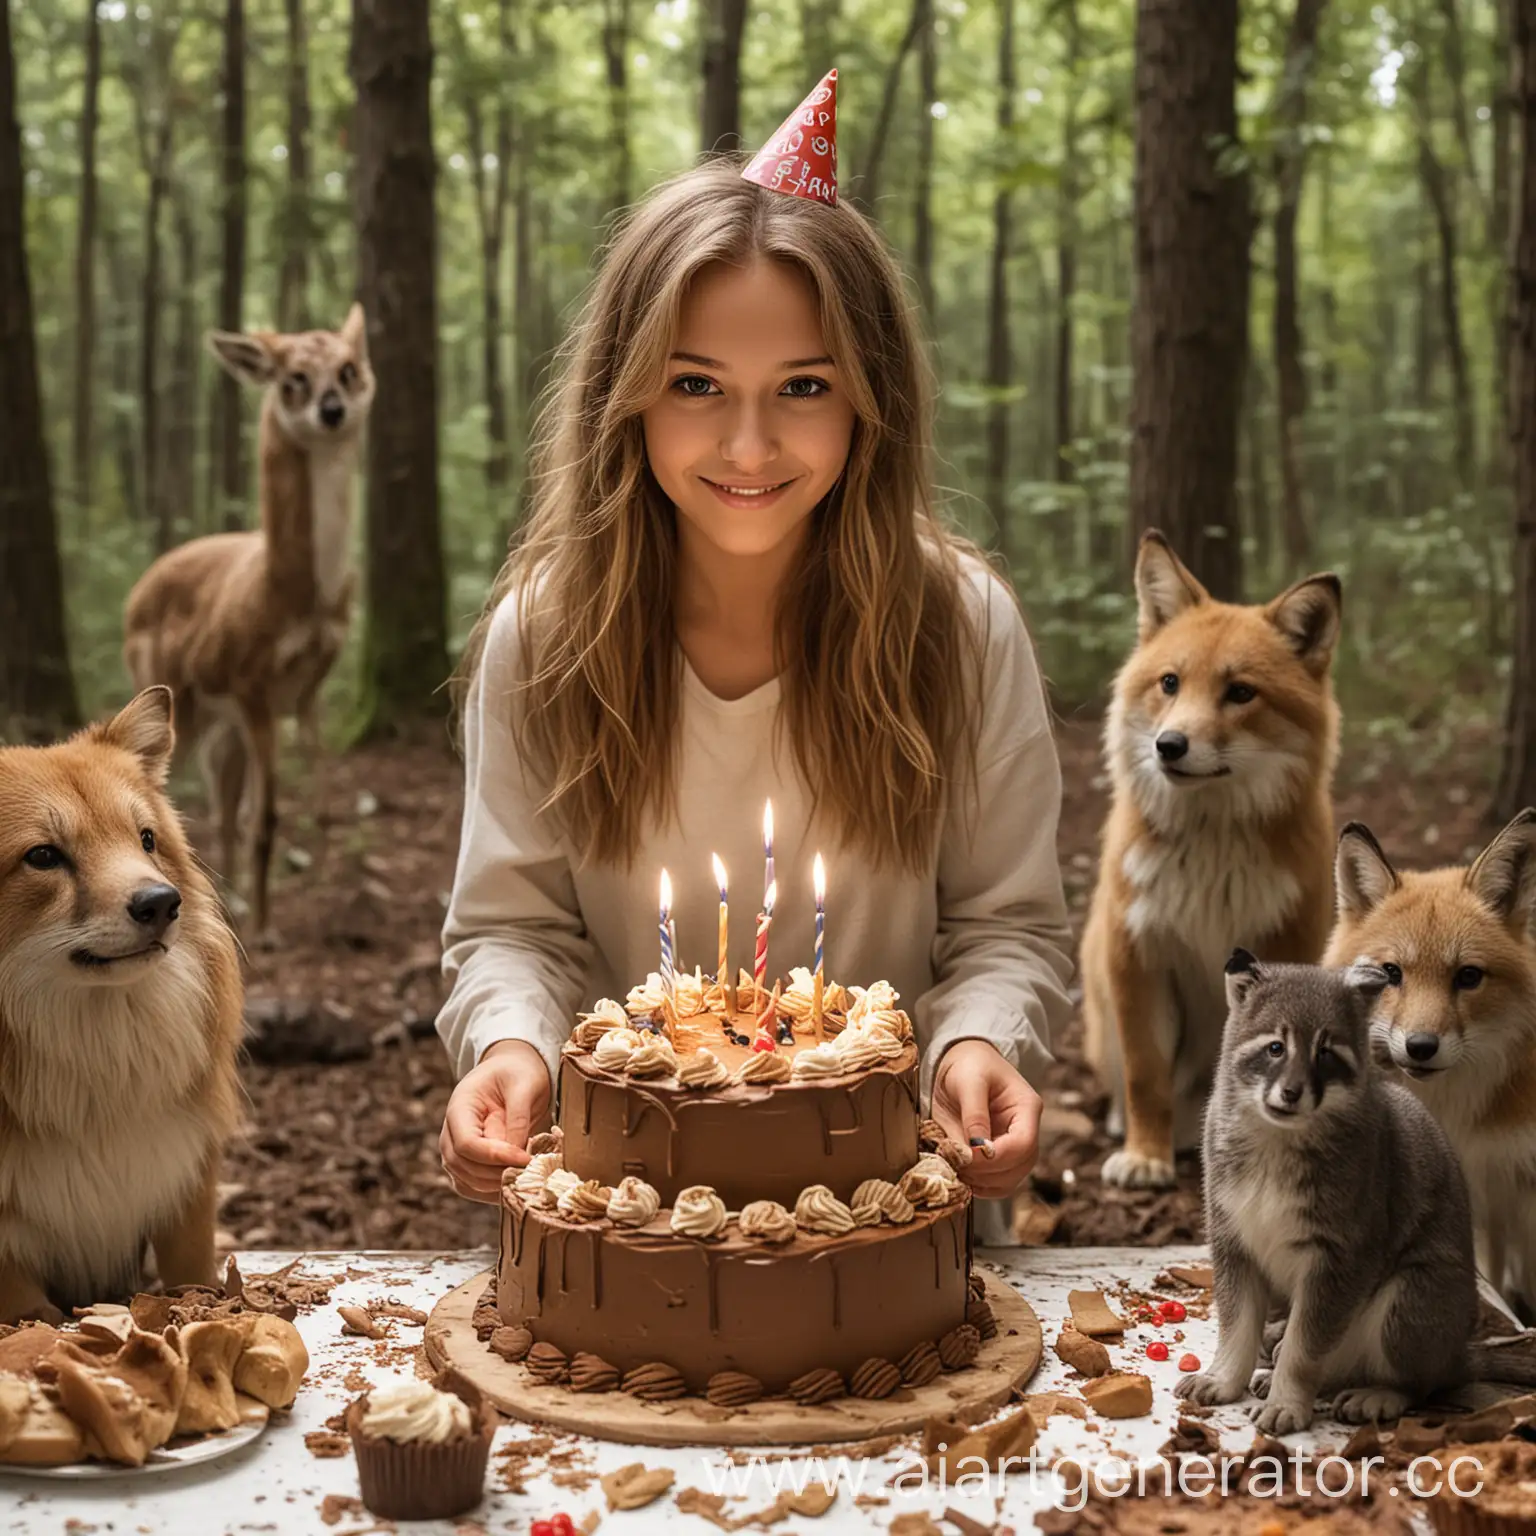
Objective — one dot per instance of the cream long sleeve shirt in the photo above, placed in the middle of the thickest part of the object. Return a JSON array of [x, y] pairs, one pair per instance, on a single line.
[[977, 945]]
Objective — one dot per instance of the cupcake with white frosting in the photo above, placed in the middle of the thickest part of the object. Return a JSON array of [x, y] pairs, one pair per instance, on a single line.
[[421, 1451]]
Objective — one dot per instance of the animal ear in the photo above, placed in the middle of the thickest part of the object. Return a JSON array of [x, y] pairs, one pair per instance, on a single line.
[[1365, 980], [1308, 615], [1164, 585], [251, 359], [1243, 974], [354, 331], [1362, 872], [1503, 876], [144, 728]]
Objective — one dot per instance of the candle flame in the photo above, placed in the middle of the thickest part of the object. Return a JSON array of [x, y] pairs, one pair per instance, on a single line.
[[768, 900], [819, 880], [719, 874], [666, 891], [768, 825]]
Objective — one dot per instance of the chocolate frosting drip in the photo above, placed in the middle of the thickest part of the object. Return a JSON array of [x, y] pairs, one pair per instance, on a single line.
[[746, 1142]]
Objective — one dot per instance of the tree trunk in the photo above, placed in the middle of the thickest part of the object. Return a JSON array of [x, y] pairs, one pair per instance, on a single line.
[[180, 459], [616, 60], [122, 327], [1504, 88], [1517, 780], [1290, 378], [922, 207], [723, 22], [920, 19], [37, 687], [228, 450], [405, 648], [1066, 253], [999, 338], [293, 280], [1190, 312], [1442, 204], [158, 168], [85, 265]]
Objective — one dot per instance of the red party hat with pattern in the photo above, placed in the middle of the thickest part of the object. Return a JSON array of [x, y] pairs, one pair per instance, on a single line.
[[801, 158]]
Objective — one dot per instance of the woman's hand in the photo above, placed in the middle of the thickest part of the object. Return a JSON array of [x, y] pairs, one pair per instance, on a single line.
[[978, 1097], [490, 1116]]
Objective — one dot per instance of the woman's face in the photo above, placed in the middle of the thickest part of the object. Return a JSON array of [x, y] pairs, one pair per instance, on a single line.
[[753, 426]]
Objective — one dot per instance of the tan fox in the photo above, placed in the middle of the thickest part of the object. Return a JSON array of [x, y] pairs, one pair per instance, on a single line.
[[1221, 742], [1458, 1017], [244, 627]]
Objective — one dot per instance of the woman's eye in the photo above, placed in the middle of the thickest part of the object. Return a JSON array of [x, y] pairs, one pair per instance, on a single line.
[[694, 385], [147, 839], [44, 856], [1241, 693], [1277, 1048], [805, 389], [1394, 973]]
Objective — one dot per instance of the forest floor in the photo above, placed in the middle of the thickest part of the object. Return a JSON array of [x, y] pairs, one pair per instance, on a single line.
[[341, 1151]]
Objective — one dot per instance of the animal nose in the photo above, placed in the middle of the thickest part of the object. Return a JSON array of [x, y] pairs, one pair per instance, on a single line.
[[1172, 745], [332, 411], [1423, 1047], [1291, 1095], [155, 907]]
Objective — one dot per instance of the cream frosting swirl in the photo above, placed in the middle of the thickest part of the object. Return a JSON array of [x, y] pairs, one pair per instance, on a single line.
[[768, 1220], [653, 1057], [764, 1067], [530, 1182], [703, 1069], [586, 1201], [593, 1026], [925, 1188], [633, 1203], [819, 1210], [647, 998], [699, 1212], [557, 1185], [858, 1051], [878, 1199], [409, 1412], [931, 1162], [614, 1048], [818, 1061]]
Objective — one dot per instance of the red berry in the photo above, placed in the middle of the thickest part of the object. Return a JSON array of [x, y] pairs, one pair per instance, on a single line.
[[542, 1528], [1189, 1362], [1173, 1311], [1157, 1350], [562, 1524]]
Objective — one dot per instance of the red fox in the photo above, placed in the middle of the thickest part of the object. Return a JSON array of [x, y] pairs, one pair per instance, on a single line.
[[120, 1020], [1221, 742], [1458, 1017]]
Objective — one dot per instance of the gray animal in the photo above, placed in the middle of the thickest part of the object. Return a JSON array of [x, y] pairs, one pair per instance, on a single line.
[[1331, 1190]]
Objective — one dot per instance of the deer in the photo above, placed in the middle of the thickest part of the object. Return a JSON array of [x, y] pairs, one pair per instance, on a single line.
[[244, 627]]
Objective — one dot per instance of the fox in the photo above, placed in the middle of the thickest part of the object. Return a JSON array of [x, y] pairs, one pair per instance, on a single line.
[[1221, 742], [120, 1022], [1458, 1017]]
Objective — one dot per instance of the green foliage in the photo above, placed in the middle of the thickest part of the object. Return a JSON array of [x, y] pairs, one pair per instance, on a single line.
[[1424, 557]]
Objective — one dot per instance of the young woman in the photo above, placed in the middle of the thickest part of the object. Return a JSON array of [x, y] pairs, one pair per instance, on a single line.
[[732, 589]]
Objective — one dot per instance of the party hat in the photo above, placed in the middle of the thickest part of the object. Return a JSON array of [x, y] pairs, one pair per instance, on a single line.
[[801, 158]]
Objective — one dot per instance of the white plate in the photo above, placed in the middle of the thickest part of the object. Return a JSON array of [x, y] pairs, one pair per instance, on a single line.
[[170, 1458]]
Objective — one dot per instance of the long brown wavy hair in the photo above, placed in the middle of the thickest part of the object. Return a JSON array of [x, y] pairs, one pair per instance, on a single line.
[[874, 645]]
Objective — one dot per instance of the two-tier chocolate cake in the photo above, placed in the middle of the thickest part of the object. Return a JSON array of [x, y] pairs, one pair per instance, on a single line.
[[740, 1201]]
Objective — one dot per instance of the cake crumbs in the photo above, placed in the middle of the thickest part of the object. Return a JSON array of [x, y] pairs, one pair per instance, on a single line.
[[355, 1381], [325, 1443], [336, 1507], [392, 1308]]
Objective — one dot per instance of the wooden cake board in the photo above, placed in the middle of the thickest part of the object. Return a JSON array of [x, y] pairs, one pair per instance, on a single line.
[[1004, 1363]]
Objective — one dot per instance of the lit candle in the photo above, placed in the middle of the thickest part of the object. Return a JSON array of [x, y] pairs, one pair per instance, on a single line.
[[723, 973], [819, 877], [760, 960], [668, 977], [768, 855]]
